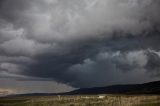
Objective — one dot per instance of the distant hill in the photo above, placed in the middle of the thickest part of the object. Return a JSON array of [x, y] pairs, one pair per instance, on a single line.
[[146, 88]]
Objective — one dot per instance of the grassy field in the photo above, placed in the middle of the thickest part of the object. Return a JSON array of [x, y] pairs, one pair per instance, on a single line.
[[94, 100]]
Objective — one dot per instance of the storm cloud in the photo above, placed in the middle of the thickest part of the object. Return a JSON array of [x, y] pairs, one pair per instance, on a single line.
[[81, 43]]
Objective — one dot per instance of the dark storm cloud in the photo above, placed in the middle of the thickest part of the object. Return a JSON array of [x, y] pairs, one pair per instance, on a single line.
[[153, 64], [105, 62], [80, 43]]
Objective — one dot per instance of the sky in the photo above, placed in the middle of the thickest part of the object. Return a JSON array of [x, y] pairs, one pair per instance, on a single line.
[[59, 45]]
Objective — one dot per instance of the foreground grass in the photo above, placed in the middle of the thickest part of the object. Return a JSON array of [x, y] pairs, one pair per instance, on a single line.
[[94, 100]]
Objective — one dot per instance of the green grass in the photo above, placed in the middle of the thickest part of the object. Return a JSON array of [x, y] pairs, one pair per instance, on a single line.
[[85, 100]]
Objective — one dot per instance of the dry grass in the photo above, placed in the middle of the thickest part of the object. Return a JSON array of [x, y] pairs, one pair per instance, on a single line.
[[94, 100]]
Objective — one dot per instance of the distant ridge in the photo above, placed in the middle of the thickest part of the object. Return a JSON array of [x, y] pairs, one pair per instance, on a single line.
[[146, 88]]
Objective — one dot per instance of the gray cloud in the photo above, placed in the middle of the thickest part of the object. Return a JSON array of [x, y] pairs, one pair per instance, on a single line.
[[99, 64], [153, 64], [110, 68], [73, 41]]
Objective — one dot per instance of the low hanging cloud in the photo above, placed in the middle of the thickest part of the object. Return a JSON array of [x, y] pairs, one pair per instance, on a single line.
[[80, 43], [110, 68]]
